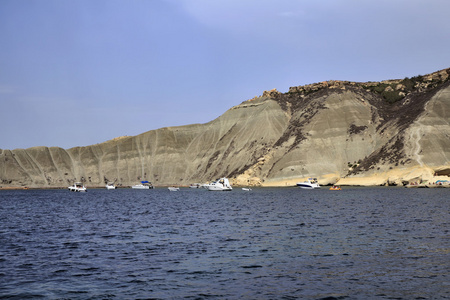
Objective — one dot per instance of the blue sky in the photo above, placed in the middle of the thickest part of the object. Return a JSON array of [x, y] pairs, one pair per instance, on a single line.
[[80, 72]]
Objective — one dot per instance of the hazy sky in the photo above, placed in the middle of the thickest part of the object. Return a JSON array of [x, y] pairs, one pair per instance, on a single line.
[[80, 72]]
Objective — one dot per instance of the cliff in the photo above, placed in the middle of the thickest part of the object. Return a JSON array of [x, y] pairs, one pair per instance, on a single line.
[[372, 133]]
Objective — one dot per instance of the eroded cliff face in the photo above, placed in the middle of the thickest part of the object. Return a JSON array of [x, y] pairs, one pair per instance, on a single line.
[[391, 132]]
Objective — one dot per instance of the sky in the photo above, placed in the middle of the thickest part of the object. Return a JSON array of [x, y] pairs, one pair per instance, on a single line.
[[81, 72]]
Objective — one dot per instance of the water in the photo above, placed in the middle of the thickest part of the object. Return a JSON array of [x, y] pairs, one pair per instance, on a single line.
[[270, 243]]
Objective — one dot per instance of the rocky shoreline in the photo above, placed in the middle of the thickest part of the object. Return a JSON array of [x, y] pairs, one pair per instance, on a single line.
[[438, 182]]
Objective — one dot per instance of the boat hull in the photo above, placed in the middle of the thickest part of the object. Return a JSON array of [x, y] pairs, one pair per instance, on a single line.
[[140, 187], [218, 188], [77, 189], [307, 187]]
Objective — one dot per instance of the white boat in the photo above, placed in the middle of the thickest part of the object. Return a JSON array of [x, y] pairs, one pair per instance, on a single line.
[[310, 184], [110, 186], [246, 189], [144, 185], [173, 189], [77, 187], [221, 184], [140, 187]]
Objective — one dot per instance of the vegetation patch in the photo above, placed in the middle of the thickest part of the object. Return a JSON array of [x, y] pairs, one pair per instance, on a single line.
[[396, 90], [356, 129]]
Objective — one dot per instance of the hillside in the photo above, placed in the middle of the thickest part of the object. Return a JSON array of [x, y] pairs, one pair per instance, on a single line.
[[372, 133]]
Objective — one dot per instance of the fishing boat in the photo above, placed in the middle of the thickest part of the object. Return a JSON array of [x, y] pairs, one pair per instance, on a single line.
[[335, 188], [221, 184], [77, 187], [309, 184]]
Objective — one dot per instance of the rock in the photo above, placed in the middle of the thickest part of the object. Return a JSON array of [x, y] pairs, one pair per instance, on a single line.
[[400, 87]]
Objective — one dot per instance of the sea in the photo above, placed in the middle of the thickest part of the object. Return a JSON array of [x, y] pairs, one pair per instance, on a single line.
[[267, 243]]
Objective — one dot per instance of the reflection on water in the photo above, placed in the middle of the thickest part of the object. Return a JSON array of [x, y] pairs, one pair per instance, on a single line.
[[278, 243]]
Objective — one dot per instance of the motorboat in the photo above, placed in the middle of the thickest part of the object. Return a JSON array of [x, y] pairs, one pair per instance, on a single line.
[[335, 188], [144, 185], [221, 184], [77, 187], [246, 189], [310, 184], [173, 189], [110, 186]]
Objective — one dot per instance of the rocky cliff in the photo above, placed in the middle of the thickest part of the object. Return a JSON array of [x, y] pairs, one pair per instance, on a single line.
[[372, 133]]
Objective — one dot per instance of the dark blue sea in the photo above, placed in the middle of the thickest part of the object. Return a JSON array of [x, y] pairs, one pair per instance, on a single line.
[[270, 243]]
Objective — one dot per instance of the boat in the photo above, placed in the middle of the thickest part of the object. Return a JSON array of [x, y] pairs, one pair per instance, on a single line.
[[310, 184], [144, 185], [196, 185], [77, 187], [221, 184], [110, 186], [246, 189], [173, 189], [335, 188]]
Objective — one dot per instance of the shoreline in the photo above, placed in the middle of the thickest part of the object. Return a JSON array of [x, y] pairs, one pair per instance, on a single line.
[[326, 186]]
